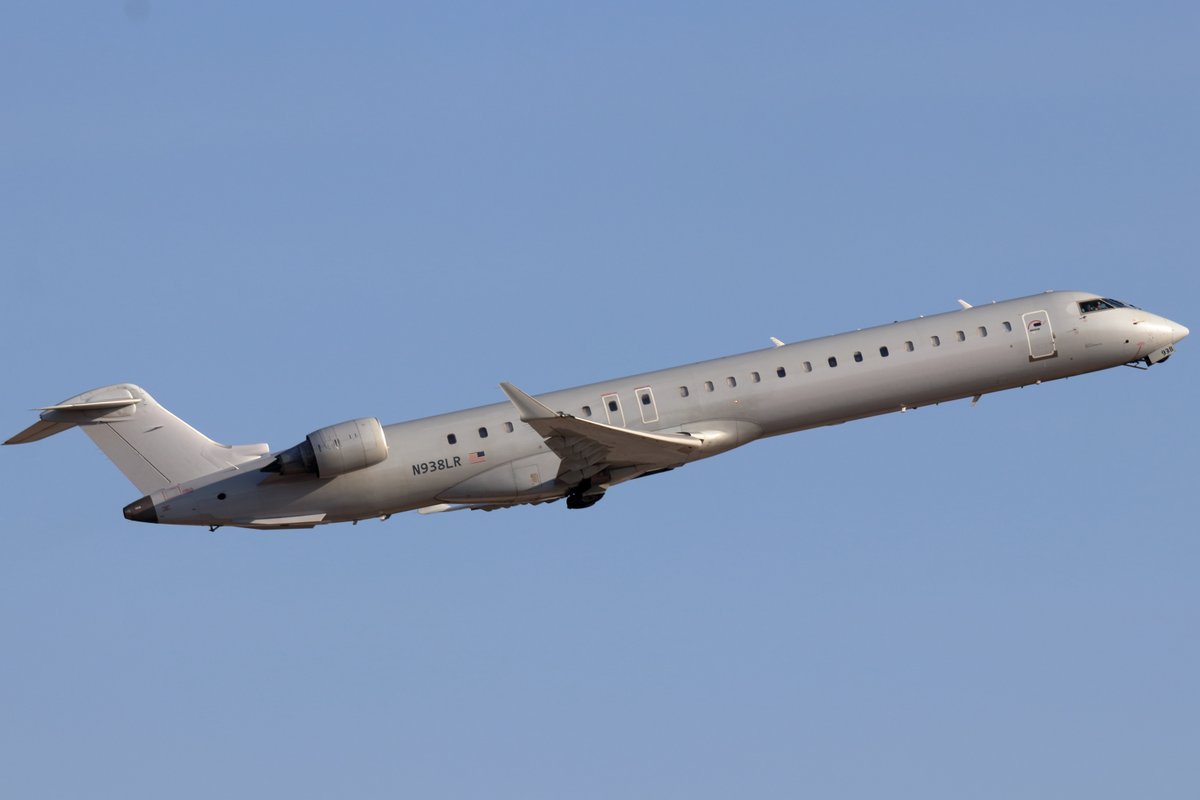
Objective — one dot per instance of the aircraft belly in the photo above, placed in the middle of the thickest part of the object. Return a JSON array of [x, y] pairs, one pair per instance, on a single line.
[[717, 435], [250, 496], [520, 480]]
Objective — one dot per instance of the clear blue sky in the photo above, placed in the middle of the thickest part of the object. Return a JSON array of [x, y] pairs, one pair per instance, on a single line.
[[277, 216]]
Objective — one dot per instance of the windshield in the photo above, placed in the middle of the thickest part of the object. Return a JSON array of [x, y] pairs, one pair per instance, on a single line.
[[1090, 306]]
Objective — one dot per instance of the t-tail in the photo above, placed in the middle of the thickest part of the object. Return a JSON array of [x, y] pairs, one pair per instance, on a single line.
[[152, 446]]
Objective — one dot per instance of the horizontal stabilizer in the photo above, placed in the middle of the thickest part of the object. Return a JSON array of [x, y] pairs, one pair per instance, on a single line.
[[96, 405], [148, 443], [66, 415], [39, 430]]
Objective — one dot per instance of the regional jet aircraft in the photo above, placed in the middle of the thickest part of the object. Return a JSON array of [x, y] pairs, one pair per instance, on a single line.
[[577, 443]]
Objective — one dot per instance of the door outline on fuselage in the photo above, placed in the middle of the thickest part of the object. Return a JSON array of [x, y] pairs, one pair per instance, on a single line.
[[1040, 335], [615, 416], [645, 400]]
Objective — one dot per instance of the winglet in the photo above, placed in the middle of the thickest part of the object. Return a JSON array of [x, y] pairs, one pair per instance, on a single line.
[[526, 406]]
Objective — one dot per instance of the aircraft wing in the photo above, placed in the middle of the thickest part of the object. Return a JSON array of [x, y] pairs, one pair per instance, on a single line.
[[588, 448]]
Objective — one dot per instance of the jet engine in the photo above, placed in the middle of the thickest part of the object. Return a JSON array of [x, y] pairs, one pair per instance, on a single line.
[[334, 450]]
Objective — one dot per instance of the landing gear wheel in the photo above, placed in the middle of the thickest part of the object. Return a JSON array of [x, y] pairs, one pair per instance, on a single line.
[[584, 496]]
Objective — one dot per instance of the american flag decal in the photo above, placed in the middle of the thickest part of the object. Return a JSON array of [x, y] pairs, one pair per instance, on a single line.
[[476, 458]]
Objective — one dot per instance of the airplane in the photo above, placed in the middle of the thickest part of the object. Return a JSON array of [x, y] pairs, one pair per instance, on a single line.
[[577, 443]]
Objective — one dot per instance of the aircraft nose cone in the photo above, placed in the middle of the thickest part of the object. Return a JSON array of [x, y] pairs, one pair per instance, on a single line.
[[1181, 332], [141, 511]]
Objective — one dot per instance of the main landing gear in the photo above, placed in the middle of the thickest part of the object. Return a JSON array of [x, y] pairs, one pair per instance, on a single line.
[[584, 495]]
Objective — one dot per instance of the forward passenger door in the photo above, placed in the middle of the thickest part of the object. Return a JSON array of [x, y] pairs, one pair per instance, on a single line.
[[1039, 334]]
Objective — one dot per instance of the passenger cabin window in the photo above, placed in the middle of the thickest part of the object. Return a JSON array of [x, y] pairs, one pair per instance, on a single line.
[[858, 357], [781, 372], [936, 341], [908, 346], [962, 337], [1008, 327], [883, 351], [612, 405], [808, 366], [708, 386], [587, 411], [731, 381], [451, 438], [683, 391], [833, 361], [508, 428], [483, 433], [755, 377], [982, 332], [645, 398]]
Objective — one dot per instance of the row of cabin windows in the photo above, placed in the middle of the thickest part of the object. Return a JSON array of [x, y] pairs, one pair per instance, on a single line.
[[909, 346], [483, 433], [961, 336], [756, 377], [731, 382]]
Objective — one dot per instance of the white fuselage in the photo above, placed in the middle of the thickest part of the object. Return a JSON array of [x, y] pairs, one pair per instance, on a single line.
[[488, 457]]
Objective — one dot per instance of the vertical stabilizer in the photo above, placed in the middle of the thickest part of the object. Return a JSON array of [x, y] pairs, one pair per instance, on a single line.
[[150, 445]]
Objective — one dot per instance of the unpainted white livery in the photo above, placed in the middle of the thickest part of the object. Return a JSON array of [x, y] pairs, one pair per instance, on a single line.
[[576, 443]]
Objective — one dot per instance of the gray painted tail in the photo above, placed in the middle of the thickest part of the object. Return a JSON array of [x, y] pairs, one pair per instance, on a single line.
[[152, 446]]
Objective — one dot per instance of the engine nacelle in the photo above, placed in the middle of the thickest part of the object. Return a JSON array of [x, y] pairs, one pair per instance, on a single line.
[[335, 450]]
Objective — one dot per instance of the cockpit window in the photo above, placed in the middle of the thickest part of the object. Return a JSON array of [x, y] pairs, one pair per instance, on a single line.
[[1091, 306]]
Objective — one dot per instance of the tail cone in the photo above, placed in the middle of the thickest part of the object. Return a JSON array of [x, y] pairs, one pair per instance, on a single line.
[[141, 511]]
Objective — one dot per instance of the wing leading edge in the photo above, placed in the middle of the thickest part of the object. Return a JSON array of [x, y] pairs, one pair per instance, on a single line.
[[588, 448]]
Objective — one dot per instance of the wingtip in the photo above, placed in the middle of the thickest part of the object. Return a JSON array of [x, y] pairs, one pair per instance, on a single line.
[[528, 407]]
